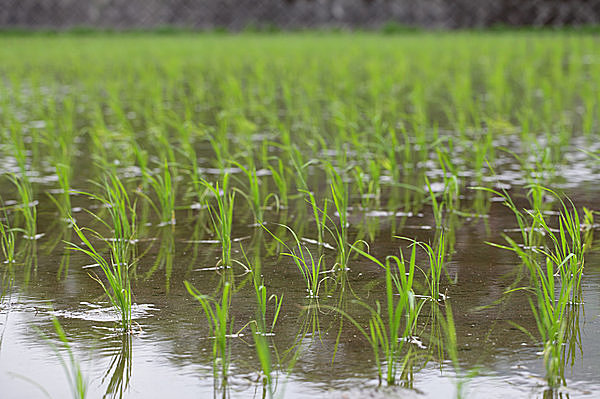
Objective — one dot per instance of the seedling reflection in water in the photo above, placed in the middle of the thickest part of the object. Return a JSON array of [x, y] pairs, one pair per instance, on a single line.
[[219, 324]]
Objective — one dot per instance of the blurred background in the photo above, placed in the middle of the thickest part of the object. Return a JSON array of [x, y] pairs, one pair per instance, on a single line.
[[238, 15]]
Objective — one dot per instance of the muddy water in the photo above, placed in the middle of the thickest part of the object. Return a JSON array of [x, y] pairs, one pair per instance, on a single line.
[[169, 354], [170, 351]]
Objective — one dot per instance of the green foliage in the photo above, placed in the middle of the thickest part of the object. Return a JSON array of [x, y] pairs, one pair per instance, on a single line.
[[222, 216], [116, 268], [391, 329]]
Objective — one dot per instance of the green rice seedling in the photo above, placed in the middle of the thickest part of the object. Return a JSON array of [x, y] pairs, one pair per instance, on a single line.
[[116, 272], [436, 255], [263, 352], [165, 193], [437, 207], [262, 300], [123, 218], [450, 196], [280, 176], [220, 326], [390, 330], [309, 267], [116, 269], [588, 228], [63, 171], [320, 215], [7, 239], [569, 248], [253, 194], [368, 185], [555, 280], [339, 193], [550, 309], [296, 160], [27, 207], [222, 216]]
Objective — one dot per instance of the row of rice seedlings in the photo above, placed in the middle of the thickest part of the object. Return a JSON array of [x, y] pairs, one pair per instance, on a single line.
[[467, 98], [116, 269], [556, 275]]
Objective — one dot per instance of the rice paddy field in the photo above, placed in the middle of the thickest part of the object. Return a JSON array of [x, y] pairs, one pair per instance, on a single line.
[[301, 215]]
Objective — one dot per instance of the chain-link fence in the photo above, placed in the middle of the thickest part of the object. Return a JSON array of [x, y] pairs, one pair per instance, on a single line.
[[290, 14]]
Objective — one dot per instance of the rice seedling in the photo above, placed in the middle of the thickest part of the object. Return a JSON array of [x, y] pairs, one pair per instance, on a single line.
[[310, 268], [261, 330], [253, 195], [437, 207], [63, 171], [319, 215], [368, 184], [220, 326], [222, 216], [280, 176], [165, 194], [436, 255], [391, 329], [7, 238], [117, 267], [569, 247], [116, 272], [339, 193], [261, 300], [27, 207], [556, 275]]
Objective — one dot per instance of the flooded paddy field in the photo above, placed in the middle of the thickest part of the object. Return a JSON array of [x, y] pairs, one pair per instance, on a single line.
[[300, 215]]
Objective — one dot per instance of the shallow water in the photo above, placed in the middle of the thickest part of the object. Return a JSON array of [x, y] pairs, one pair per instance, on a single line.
[[169, 352]]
